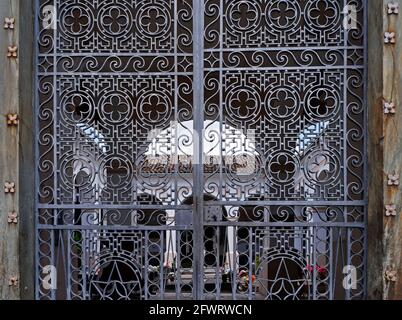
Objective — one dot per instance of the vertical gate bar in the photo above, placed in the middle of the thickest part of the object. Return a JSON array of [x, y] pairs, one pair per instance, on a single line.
[[218, 278], [36, 126], [348, 256], [234, 264], [332, 266], [310, 259], [198, 183], [250, 263], [68, 267], [86, 245], [175, 128], [313, 272], [345, 102], [337, 248], [221, 101], [161, 265], [52, 259], [366, 156], [55, 143], [55, 162], [146, 267], [176, 264]]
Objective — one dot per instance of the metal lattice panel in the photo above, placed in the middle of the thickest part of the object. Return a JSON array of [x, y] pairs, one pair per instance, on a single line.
[[201, 149]]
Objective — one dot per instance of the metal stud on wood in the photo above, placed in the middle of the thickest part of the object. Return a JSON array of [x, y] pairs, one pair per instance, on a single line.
[[389, 108], [393, 8], [393, 179], [13, 281], [12, 52], [9, 23], [390, 210], [391, 275], [9, 187], [12, 119], [12, 217], [389, 37]]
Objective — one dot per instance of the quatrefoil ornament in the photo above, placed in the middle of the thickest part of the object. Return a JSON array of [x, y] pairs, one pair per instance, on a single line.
[[393, 8], [389, 108], [13, 281], [13, 218], [12, 119], [390, 210], [389, 37], [9, 187], [393, 180], [12, 52], [9, 23], [391, 275]]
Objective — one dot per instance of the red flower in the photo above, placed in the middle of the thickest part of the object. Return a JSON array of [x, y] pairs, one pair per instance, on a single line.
[[309, 268], [322, 271]]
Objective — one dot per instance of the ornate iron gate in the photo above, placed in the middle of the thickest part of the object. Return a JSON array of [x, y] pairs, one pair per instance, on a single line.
[[201, 149]]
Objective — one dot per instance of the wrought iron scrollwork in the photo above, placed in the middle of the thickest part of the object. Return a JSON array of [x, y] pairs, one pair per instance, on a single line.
[[283, 130]]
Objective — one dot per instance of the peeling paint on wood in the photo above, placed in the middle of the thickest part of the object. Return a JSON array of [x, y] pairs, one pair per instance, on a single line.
[[392, 127], [9, 140]]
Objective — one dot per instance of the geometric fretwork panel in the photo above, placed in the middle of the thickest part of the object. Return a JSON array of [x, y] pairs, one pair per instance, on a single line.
[[107, 26], [107, 104], [95, 128], [278, 23], [294, 113], [297, 145]]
